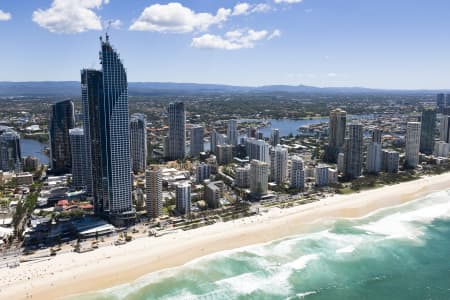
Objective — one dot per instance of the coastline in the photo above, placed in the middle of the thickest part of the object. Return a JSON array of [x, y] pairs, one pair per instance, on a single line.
[[72, 273]]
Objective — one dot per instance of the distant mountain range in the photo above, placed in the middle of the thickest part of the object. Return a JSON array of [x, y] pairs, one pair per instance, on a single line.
[[72, 89]]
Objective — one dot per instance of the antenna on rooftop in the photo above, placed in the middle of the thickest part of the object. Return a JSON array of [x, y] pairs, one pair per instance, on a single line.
[[107, 30]]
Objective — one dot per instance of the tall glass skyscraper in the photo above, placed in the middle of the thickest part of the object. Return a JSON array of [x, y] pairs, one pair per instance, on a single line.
[[428, 130], [177, 131], [106, 127], [10, 153], [138, 141], [61, 121]]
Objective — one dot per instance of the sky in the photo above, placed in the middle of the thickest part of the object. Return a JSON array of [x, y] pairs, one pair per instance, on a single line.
[[399, 44]]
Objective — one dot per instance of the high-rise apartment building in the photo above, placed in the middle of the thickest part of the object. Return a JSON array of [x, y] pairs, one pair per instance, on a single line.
[[232, 133], [390, 161], [444, 129], [427, 132], [202, 172], [336, 134], [61, 121], [373, 158], [183, 198], [177, 131], [279, 164], [441, 149], [216, 140], [321, 175], [242, 178], [153, 192], [275, 137], [78, 152], [412, 140], [224, 154], [441, 103], [353, 151], [197, 145], [10, 151], [297, 173], [258, 150], [107, 135], [138, 142], [259, 177]]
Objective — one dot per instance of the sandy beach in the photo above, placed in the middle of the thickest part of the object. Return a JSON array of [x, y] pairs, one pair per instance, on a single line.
[[73, 273]]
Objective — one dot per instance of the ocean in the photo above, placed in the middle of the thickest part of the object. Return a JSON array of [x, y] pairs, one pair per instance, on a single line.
[[401, 252]]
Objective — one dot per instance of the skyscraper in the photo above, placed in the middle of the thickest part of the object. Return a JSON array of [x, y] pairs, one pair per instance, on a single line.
[[275, 137], [353, 151], [444, 130], [10, 152], [297, 173], [232, 132], [77, 150], [412, 144], [321, 175], [107, 133], [138, 142], [390, 160], [441, 103], [259, 177], [337, 125], [258, 150], [61, 121], [177, 131], [427, 131], [183, 198], [224, 154], [153, 191], [373, 158], [197, 145], [279, 164]]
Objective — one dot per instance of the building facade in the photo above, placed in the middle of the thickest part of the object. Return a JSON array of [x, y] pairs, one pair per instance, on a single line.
[[107, 135], [353, 151], [297, 173], [232, 133], [79, 166], [62, 119], [257, 150], [183, 198], [336, 133], [197, 145], [138, 142], [390, 161], [10, 151], [177, 131], [412, 140], [153, 192], [259, 178], [427, 131], [279, 164]]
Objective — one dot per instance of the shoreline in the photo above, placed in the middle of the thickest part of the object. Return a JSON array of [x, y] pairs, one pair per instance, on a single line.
[[70, 274]]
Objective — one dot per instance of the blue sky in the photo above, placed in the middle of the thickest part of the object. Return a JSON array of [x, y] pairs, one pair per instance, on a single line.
[[379, 44]]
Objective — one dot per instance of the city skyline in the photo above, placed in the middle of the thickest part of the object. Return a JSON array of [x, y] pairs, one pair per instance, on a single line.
[[253, 43]]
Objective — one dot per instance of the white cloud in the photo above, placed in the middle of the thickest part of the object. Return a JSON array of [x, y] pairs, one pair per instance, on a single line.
[[4, 16], [261, 7], [276, 33], [70, 16], [176, 18], [116, 24], [288, 1], [241, 9], [331, 74], [232, 40]]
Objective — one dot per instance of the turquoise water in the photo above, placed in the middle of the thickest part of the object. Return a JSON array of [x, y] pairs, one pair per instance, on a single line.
[[396, 253]]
